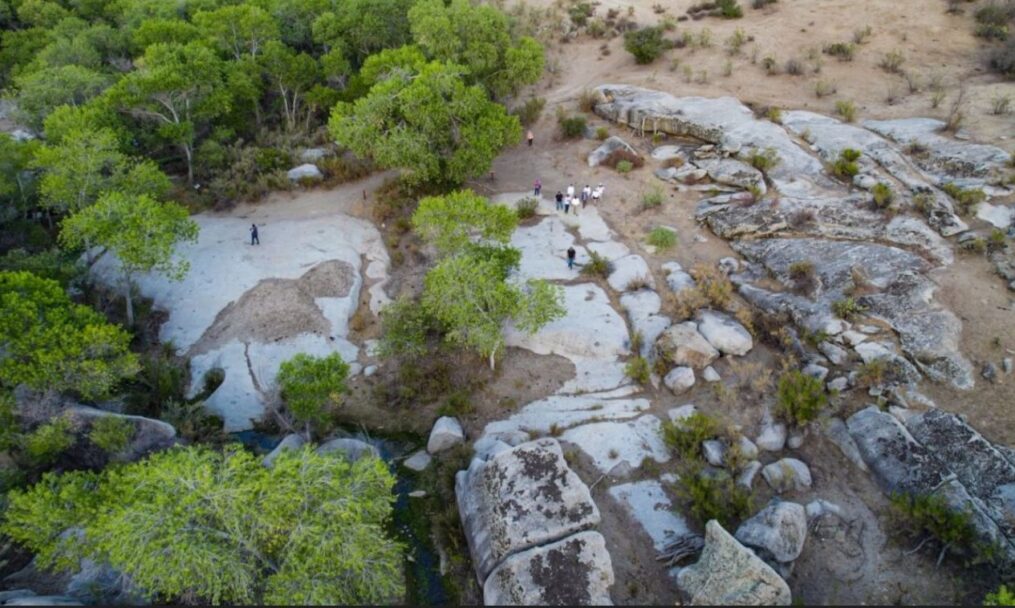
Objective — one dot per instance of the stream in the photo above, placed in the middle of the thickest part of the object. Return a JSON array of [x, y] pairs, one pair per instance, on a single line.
[[423, 582]]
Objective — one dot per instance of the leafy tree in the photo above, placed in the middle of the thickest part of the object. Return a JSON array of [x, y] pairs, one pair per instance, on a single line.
[[646, 44], [453, 221], [111, 433], [405, 326], [477, 37], [19, 47], [10, 435], [194, 524], [39, 93], [178, 87], [291, 76], [49, 343], [140, 231], [310, 384], [240, 30], [163, 31], [96, 115], [363, 27], [41, 13], [431, 124], [17, 185], [77, 170], [46, 443], [403, 61], [469, 295]]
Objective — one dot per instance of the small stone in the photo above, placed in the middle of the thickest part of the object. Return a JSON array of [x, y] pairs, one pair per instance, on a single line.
[[728, 265], [838, 384], [352, 449], [292, 441], [369, 370], [989, 371], [795, 440], [1006, 364], [747, 448], [670, 478], [819, 507], [447, 433], [864, 181], [779, 530], [835, 354], [869, 329], [679, 379], [679, 414], [417, 494], [853, 337], [772, 437], [714, 451], [710, 375], [787, 475], [746, 477], [816, 371], [418, 461]]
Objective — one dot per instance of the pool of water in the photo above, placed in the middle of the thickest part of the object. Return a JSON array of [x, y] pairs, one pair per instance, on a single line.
[[424, 583]]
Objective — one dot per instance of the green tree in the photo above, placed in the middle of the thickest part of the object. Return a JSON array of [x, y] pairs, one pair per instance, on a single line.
[[51, 344], [363, 27], [470, 296], [454, 221], [77, 170], [181, 88], [111, 433], [432, 125], [646, 44], [45, 444], [39, 93], [477, 37], [17, 184], [291, 76], [140, 231], [191, 523], [163, 31], [311, 384], [403, 61], [240, 30]]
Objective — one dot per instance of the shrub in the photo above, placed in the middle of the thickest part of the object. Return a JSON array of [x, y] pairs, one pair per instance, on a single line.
[[597, 266], [761, 3], [992, 21], [872, 373], [528, 113], [526, 208], [847, 308], [736, 41], [1001, 597], [794, 67], [651, 199], [730, 9], [764, 160], [684, 437], [571, 127], [919, 515], [662, 238], [47, 442], [846, 109], [965, 198], [715, 496], [843, 51], [804, 276], [846, 166], [892, 62], [800, 398], [580, 13], [602, 133], [774, 114], [996, 240], [637, 369], [713, 285], [623, 155], [824, 88], [111, 433], [309, 385], [646, 44], [624, 167], [770, 65], [1000, 105], [1002, 60], [587, 100], [860, 36], [883, 195]]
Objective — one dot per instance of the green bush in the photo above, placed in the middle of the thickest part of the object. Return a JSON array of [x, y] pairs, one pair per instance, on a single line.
[[526, 208], [919, 515], [892, 62], [847, 308], [624, 167], [1002, 60], [843, 51], [1001, 597], [52, 264], [528, 113], [662, 238], [597, 266], [965, 198], [684, 437], [111, 433], [602, 133], [45, 444], [846, 166], [883, 195], [646, 44], [803, 276], [993, 21], [637, 369], [652, 199], [846, 109], [714, 496], [193, 421], [730, 9], [800, 398], [764, 160], [571, 127], [310, 385]]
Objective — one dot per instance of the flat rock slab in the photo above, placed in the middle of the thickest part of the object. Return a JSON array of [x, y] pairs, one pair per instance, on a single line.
[[519, 499], [623, 444], [557, 413], [899, 462], [575, 571], [729, 574], [544, 251], [591, 329], [682, 344], [629, 271], [647, 503]]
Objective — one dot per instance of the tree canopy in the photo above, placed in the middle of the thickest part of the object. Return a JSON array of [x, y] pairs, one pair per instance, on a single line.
[[454, 221], [51, 344], [310, 384], [192, 523]]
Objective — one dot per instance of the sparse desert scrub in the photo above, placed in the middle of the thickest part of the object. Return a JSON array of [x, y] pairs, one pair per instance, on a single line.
[[846, 109], [800, 398], [662, 238]]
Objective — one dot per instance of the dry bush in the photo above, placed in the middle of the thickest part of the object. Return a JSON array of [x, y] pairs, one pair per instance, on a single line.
[[713, 285], [622, 154], [685, 303]]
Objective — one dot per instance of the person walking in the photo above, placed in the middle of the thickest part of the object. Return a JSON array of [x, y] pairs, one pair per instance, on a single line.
[[570, 258], [597, 194], [560, 200], [254, 240], [537, 187], [567, 204], [586, 195], [529, 137], [570, 190]]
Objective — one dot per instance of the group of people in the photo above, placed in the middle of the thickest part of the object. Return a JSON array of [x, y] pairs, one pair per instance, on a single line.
[[567, 199]]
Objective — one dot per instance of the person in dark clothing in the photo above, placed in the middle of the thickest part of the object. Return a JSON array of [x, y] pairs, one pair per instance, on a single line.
[[570, 258], [254, 240], [560, 200]]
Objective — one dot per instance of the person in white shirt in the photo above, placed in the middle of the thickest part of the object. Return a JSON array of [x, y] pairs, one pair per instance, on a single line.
[[597, 193], [570, 191]]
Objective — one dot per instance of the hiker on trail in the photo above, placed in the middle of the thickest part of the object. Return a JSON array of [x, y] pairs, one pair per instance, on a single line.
[[254, 240], [597, 194], [538, 186], [567, 204], [570, 258], [560, 200], [529, 136], [586, 195], [570, 190]]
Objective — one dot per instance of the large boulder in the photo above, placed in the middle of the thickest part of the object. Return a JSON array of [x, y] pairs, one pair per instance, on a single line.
[[682, 344], [293, 441], [305, 172], [729, 574], [733, 173], [608, 147], [519, 499], [679, 379], [779, 530], [787, 475], [351, 449], [724, 333], [150, 435], [575, 571], [446, 433]]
